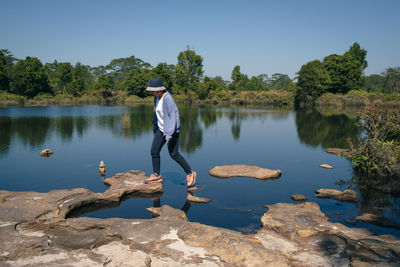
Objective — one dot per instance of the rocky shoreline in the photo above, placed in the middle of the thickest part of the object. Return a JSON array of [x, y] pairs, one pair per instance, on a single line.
[[38, 229]]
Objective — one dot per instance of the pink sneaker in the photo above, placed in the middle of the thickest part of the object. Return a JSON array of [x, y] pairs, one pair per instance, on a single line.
[[191, 179], [154, 178]]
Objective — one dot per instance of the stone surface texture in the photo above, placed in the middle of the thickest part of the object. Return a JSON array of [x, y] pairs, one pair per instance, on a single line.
[[38, 229], [244, 171], [347, 195]]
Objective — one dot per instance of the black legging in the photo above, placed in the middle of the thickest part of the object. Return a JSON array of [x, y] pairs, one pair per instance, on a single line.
[[173, 149]]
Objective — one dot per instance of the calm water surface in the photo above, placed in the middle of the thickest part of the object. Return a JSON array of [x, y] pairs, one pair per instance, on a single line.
[[294, 142]]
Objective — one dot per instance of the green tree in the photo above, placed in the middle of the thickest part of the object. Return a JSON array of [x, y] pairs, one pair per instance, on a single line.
[[29, 78], [239, 80], [220, 83], [6, 65], [137, 82], [280, 81], [358, 54], [189, 70], [121, 67], [50, 69], [81, 79], [391, 78], [98, 71], [345, 73], [313, 81], [256, 83], [374, 83], [105, 85], [205, 87], [63, 76], [165, 72]]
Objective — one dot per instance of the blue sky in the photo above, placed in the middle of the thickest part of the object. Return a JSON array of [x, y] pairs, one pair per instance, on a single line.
[[259, 36]]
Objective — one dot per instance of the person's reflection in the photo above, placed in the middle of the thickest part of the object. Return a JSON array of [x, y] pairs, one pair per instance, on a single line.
[[185, 208]]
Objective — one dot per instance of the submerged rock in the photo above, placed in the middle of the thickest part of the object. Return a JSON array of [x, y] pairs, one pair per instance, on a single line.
[[338, 151], [46, 153], [378, 220], [194, 199], [298, 197], [347, 195], [326, 166], [194, 188], [244, 171]]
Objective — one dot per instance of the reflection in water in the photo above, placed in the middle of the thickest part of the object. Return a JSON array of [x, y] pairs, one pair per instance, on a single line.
[[34, 131], [126, 125], [236, 118], [129, 123], [375, 201], [315, 129], [209, 116], [29, 131], [191, 135]]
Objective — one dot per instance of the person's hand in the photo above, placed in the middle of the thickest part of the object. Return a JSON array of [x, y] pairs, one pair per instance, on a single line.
[[167, 141]]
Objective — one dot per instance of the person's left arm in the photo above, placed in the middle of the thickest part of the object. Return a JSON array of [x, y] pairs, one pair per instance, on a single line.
[[169, 117]]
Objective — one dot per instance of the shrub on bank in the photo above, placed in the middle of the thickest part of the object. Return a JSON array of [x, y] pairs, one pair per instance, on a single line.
[[377, 153], [11, 99]]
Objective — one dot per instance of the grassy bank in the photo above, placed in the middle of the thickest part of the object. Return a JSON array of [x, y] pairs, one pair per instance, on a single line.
[[275, 98], [355, 98]]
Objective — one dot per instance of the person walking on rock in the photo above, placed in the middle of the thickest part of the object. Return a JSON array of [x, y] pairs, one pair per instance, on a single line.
[[166, 130]]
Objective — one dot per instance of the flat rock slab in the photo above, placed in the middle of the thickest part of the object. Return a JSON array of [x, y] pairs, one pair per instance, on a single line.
[[132, 182], [326, 166], [18, 206], [298, 197], [347, 195], [228, 171]]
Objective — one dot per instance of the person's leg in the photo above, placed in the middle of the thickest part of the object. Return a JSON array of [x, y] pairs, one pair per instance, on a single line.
[[173, 149], [158, 143]]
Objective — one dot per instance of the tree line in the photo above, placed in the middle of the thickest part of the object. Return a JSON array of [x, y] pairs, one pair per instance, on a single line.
[[341, 74], [29, 77]]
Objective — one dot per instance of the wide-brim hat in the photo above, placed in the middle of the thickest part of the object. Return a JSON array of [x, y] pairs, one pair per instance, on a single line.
[[155, 85]]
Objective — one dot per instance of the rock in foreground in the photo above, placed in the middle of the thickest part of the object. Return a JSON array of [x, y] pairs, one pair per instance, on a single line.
[[244, 171], [347, 195], [304, 234], [35, 230]]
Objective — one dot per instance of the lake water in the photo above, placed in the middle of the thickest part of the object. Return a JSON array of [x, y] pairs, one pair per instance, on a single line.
[[293, 141]]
